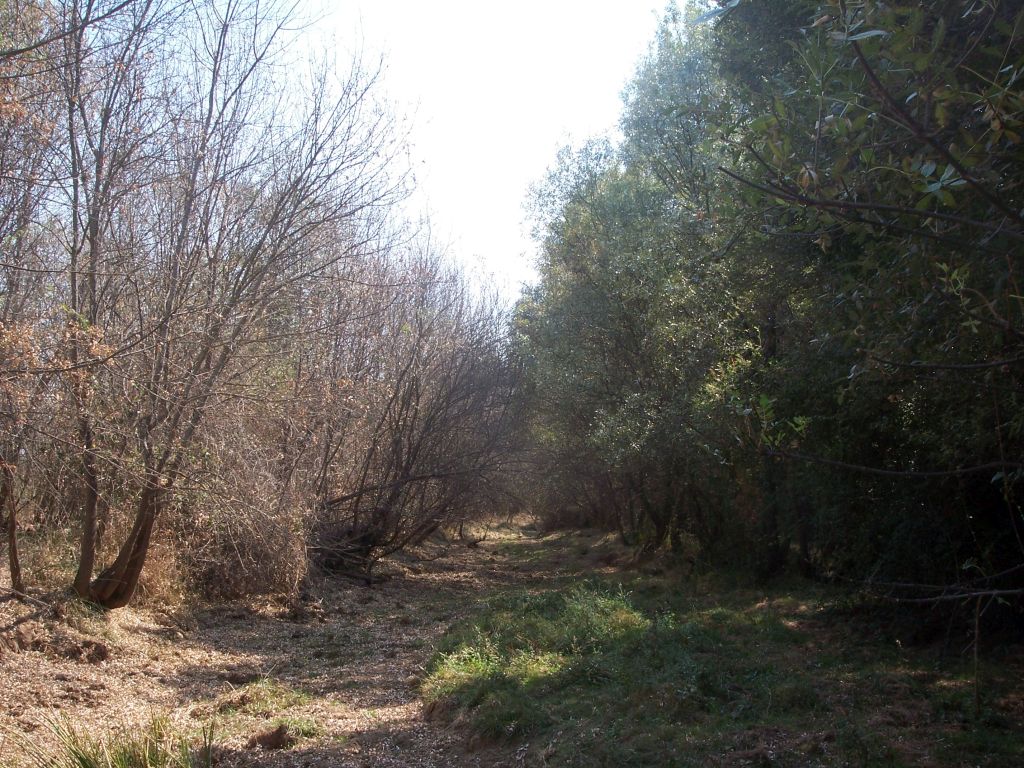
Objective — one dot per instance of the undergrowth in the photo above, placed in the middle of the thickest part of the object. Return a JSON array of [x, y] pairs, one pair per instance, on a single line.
[[261, 698], [595, 675], [157, 746], [528, 645]]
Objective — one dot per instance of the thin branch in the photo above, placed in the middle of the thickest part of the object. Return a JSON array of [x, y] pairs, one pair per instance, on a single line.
[[956, 596], [949, 366], [920, 133], [817, 202], [906, 473], [8, 53], [969, 584]]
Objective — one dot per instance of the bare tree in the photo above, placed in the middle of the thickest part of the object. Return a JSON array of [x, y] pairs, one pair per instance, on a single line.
[[213, 316], [27, 114], [436, 427], [261, 197]]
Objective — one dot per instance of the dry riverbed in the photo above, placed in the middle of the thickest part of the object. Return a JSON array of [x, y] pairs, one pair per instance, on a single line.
[[340, 672]]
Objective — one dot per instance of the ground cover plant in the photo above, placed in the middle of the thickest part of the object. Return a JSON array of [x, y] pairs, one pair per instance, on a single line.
[[527, 649], [644, 671], [159, 745]]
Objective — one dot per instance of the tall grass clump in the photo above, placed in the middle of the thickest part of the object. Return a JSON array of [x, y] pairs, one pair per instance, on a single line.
[[157, 746]]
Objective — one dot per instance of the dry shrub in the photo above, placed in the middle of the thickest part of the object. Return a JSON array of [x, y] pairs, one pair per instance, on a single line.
[[49, 558], [239, 525], [240, 549], [162, 582]]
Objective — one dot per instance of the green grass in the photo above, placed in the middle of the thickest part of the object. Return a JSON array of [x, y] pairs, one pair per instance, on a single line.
[[262, 698], [526, 648], [301, 727], [596, 674], [158, 746]]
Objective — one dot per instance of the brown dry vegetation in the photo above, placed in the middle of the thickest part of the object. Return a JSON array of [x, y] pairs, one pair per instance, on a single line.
[[342, 672], [343, 669]]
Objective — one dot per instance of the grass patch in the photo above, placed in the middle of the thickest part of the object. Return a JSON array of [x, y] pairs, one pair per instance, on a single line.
[[653, 673], [262, 698], [524, 650], [157, 746], [301, 727]]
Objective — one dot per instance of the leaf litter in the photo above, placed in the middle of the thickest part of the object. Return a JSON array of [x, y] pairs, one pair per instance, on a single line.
[[335, 683]]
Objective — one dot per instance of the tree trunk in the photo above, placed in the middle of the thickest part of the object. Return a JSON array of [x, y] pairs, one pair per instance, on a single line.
[[773, 555], [87, 549], [116, 585], [803, 510], [679, 519], [7, 500]]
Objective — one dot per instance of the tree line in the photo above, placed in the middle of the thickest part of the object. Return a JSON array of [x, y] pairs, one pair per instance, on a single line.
[[779, 322], [219, 336]]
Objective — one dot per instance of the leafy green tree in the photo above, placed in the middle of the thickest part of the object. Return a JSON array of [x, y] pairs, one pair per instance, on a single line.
[[906, 174], [782, 317]]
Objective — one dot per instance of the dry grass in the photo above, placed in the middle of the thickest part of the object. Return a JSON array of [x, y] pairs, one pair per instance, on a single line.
[[339, 673], [778, 678]]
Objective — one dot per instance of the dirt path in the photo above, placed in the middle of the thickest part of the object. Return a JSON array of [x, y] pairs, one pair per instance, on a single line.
[[341, 671]]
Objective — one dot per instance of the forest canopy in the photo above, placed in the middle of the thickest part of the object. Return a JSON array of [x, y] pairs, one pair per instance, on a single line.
[[780, 321]]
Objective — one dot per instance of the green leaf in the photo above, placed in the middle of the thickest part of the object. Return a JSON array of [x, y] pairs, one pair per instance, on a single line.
[[866, 35], [939, 35]]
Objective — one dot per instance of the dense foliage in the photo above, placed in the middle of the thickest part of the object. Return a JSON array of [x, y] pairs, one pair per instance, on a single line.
[[780, 321], [647, 674]]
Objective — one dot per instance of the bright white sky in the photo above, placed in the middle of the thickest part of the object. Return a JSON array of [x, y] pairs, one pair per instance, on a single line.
[[494, 89]]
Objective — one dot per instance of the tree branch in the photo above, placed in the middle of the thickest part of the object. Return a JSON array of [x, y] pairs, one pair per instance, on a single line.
[[8, 53], [906, 473]]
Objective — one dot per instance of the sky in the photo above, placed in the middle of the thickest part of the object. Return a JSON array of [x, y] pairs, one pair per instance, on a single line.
[[492, 91]]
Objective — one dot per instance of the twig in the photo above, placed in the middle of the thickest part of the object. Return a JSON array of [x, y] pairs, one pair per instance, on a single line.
[[970, 583], [8, 53], [949, 366], [27, 598], [817, 202], [911, 473], [959, 596]]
